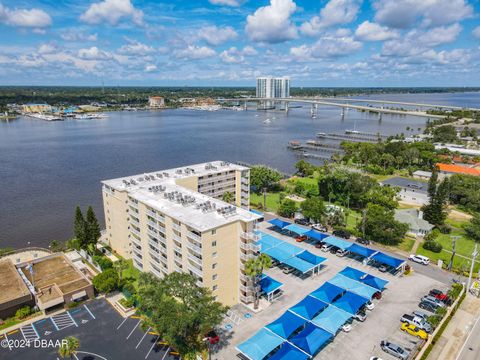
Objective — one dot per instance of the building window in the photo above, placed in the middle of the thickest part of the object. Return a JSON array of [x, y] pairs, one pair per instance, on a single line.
[[214, 243], [214, 231], [214, 254], [214, 287], [214, 277], [214, 266]]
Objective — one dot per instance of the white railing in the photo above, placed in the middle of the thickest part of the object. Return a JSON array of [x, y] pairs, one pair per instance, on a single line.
[[195, 237], [246, 257], [195, 259], [196, 271], [152, 223], [161, 228], [136, 241], [177, 238], [194, 248], [153, 243], [135, 231], [217, 185], [133, 204], [177, 268], [137, 256], [245, 188], [247, 299], [250, 236], [155, 272], [177, 248], [176, 227]]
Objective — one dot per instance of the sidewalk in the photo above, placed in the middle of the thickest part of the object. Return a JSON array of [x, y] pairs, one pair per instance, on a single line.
[[457, 331]]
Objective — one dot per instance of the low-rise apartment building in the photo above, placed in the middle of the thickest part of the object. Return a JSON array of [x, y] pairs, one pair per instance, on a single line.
[[175, 220]]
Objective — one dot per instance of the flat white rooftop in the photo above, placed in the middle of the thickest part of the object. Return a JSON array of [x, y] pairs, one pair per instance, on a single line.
[[201, 212]]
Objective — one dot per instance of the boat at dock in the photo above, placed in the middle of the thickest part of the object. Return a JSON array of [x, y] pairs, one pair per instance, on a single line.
[[349, 137], [92, 116], [46, 117]]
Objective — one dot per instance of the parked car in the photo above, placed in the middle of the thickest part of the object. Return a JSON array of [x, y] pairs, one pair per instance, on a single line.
[[288, 270], [342, 234], [319, 245], [429, 306], [416, 321], [319, 227], [420, 259], [301, 238], [439, 295], [360, 316], [383, 268], [433, 300], [375, 358], [326, 247], [394, 350], [303, 221], [370, 306], [341, 253], [362, 241], [420, 314], [414, 331], [213, 337], [377, 295], [346, 327]]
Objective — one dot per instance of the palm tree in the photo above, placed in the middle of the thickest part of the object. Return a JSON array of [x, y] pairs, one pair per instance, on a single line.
[[254, 269], [120, 265], [69, 347], [227, 197]]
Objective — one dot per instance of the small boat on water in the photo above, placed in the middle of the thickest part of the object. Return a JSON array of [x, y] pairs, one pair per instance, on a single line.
[[294, 145], [267, 121], [46, 117], [321, 134], [90, 116]]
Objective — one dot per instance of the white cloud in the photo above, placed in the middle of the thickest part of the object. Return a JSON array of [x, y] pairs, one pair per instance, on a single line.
[[150, 68], [112, 11], [476, 32], [226, 2], [437, 36], [214, 35], [135, 48], [93, 53], [334, 13], [29, 18], [235, 56], [47, 49], [368, 31], [272, 23], [194, 52], [404, 13], [329, 46], [75, 35]]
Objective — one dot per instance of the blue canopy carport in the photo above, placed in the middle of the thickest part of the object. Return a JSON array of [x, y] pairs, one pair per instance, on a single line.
[[267, 241], [364, 278], [279, 223], [315, 235], [311, 339], [388, 260], [339, 243], [353, 286], [296, 229], [260, 345], [289, 352], [331, 319], [283, 251], [287, 324], [361, 250], [350, 302], [309, 307], [270, 286], [327, 292]]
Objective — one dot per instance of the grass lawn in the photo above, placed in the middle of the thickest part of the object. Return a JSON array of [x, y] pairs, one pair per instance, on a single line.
[[131, 272], [273, 200], [354, 217], [14, 321], [407, 244]]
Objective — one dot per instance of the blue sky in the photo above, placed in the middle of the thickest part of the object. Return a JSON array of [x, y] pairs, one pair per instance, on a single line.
[[230, 42]]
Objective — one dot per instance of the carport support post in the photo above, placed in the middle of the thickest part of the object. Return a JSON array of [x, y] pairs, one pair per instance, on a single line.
[[474, 256]]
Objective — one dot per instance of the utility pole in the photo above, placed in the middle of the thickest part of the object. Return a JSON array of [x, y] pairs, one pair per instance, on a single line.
[[364, 219], [474, 256], [454, 243]]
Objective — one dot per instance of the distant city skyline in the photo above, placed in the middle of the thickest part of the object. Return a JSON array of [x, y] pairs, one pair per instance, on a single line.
[[232, 42]]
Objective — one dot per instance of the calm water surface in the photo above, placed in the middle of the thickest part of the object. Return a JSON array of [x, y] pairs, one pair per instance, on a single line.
[[46, 169]]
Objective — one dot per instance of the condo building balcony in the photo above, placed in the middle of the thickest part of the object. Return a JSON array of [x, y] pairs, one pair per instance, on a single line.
[[250, 236], [196, 249], [195, 259], [195, 270]]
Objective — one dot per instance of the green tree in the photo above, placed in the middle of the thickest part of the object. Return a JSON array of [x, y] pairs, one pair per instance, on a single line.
[[262, 177], [287, 208], [304, 168], [106, 281], [435, 211], [472, 229], [92, 227], [120, 266], [444, 134], [381, 226], [385, 196], [191, 310], [314, 209], [69, 347], [228, 197], [56, 246], [254, 269], [79, 228]]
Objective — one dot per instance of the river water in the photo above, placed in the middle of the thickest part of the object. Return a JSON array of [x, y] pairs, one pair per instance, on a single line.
[[47, 168]]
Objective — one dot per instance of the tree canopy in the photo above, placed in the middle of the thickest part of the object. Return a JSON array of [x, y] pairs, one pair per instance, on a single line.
[[381, 226], [314, 209], [180, 311], [106, 281], [287, 208], [263, 177], [472, 229]]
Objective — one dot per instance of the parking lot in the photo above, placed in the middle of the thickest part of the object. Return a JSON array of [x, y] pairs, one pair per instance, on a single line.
[[401, 295], [102, 332]]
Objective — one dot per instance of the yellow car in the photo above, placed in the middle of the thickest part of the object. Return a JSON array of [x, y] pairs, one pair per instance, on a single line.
[[414, 331]]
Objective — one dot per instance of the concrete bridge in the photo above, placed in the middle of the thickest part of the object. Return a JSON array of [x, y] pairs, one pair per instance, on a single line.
[[331, 102]]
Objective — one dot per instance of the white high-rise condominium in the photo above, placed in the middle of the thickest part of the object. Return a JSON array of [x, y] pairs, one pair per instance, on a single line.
[[272, 87]]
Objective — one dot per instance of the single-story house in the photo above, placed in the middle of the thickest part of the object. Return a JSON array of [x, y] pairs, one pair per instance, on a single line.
[[414, 219]]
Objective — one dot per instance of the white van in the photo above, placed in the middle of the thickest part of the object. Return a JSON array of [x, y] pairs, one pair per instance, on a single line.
[[326, 247], [341, 253], [420, 259]]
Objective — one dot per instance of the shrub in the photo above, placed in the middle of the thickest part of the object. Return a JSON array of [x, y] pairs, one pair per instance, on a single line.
[[129, 287], [444, 229], [432, 246], [127, 303], [23, 312], [103, 261], [106, 281]]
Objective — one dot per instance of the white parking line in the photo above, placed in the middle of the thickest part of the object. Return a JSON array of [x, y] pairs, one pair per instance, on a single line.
[[166, 352], [8, 342], [131, 332], [123, 322], [86, 308], [143, 337], [72, 319], [154, 343]]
